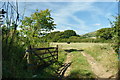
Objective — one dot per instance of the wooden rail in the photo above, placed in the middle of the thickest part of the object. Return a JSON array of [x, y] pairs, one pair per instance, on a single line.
[[42, 56]]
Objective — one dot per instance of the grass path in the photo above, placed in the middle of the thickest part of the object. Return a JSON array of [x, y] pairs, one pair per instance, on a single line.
[[68, 60], [79, 67], [97, 68], [96, 59]]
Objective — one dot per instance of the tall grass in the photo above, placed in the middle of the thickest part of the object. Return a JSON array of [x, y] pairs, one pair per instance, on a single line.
[[14, 66]]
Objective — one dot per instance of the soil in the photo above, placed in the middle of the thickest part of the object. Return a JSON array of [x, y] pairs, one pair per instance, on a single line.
[[97, 68], [68, 60]]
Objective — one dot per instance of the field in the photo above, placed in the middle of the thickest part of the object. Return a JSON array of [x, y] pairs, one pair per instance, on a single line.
[[88, 60]]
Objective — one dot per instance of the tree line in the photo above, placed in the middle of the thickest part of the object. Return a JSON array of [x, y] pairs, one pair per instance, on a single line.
[[101, 35]]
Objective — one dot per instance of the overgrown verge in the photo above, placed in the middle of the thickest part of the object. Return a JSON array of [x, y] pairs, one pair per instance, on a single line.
[[15, 42]]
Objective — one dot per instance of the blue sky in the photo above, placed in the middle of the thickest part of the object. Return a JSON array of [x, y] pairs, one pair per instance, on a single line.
[[83, 17]]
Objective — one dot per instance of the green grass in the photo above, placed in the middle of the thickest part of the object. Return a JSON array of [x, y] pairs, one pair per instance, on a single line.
[[61, 56], [75, 45], [101, 52], [49, 72], [80, 68]]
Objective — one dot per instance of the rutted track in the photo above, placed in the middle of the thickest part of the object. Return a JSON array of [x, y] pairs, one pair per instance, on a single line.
[[68, 60], [97, 68]]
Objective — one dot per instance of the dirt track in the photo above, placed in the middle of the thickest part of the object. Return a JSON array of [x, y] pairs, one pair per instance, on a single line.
[[68, 60], [97, 68]]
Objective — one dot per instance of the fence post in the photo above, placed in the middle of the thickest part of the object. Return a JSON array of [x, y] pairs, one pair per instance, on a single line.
[[118, 75], [57, 52], [29, 58]]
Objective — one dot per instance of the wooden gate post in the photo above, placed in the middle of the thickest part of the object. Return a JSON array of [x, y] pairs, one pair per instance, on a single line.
[[57, 52], [118, 76], [30, 58]]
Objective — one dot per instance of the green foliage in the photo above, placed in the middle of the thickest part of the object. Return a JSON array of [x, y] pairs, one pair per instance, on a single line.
[[36, 25], [68, 33], [71, 36], [91, 34], [16, 41], [112, 33], [116, 33], [104, 33], [59, 36]]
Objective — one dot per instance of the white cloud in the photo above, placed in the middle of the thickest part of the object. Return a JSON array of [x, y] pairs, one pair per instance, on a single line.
[[97, 24], [61, 17], [61, 13]]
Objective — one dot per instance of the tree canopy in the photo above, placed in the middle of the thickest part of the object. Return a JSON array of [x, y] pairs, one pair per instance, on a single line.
[[104, 33], [57, 36], [116, 33], [68, 33], [36, 25]]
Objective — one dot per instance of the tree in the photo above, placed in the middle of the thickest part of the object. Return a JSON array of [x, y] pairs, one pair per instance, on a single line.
[[116, 32], [104, 33], [68, 33], [36, 25], [116, 39], [57, 36]]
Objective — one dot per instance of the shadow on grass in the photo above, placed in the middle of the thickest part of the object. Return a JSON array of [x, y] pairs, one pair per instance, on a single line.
[[50, 72], [63, 69], [76, 75], [71, 50]]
